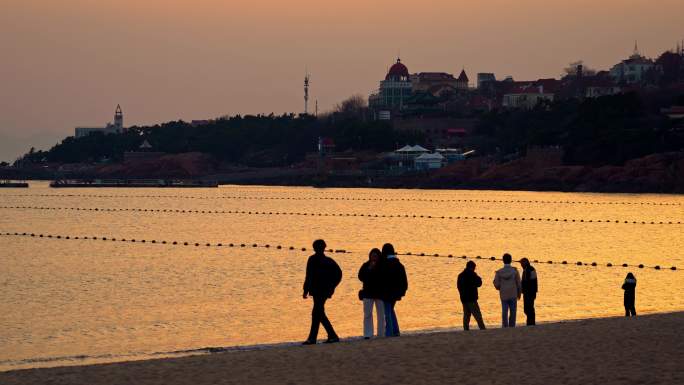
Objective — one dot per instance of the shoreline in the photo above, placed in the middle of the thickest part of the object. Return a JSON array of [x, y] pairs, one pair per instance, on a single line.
[[419, 187], [107, 359], [639, 344]]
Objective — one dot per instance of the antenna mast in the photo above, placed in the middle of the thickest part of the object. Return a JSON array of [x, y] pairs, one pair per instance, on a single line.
[[306, 92]]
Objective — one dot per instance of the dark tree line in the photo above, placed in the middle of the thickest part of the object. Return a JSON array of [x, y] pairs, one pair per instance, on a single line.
[[262, 140], [605, 130]]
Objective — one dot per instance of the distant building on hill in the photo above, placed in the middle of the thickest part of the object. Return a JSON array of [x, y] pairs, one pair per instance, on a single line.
[[401, 91], [394, 90], [485, 79], [633, 70], [111, 128], [145, 152], [528, 95]]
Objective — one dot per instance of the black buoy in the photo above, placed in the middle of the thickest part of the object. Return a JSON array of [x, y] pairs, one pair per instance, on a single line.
[[641, 266]]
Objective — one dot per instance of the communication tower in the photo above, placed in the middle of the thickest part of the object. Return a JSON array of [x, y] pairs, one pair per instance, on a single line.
[[306, 92]]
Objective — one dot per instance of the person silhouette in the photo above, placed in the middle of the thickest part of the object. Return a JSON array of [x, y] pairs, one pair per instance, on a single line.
[[322, 277], [529, 290], [507, 282], [629, 286], [395, 285], [371, 294], [467, 283]]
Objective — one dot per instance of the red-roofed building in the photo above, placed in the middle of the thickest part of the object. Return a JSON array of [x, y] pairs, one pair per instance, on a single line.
[[325, 145], [394, 90], [528, 95]]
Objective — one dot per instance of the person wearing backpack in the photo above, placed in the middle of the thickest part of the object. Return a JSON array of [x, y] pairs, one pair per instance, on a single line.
[[322, 277]]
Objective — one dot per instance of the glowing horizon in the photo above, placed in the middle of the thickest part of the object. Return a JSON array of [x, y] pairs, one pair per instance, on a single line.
[[70, 64]]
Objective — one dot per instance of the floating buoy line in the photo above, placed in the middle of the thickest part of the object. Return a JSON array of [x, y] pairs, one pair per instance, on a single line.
[[437, 200], [291, 213], [280, 246]]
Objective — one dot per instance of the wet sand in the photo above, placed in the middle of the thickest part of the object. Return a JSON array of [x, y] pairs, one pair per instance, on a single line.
[[643, 350]]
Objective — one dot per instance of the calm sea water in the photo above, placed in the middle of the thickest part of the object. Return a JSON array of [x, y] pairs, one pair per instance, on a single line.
[[82, 301]]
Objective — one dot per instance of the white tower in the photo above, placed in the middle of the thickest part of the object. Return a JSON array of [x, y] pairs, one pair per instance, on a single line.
[[118, 118]]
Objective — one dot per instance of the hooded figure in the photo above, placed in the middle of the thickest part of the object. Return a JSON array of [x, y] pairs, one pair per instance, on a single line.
[[629, 286], [507, 282]]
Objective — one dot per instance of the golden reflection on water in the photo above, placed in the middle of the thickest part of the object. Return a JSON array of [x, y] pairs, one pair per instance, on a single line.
[[109, 301]]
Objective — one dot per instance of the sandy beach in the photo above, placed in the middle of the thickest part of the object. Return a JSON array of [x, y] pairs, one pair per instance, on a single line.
[[643, 350]]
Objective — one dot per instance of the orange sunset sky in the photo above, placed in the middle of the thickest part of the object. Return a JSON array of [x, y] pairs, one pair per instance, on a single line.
[[69, 62]]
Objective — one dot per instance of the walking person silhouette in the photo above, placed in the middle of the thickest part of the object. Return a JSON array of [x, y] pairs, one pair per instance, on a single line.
[[322, 277]]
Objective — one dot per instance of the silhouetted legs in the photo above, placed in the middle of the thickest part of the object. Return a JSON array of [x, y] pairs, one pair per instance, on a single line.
[[391, 323], [368, 317], [318, 317], [508, 309], [472, 308], [629, 309], [528, 303]]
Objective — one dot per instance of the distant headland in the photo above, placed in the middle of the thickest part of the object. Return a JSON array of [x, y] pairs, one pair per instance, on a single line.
[[618, 130]]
